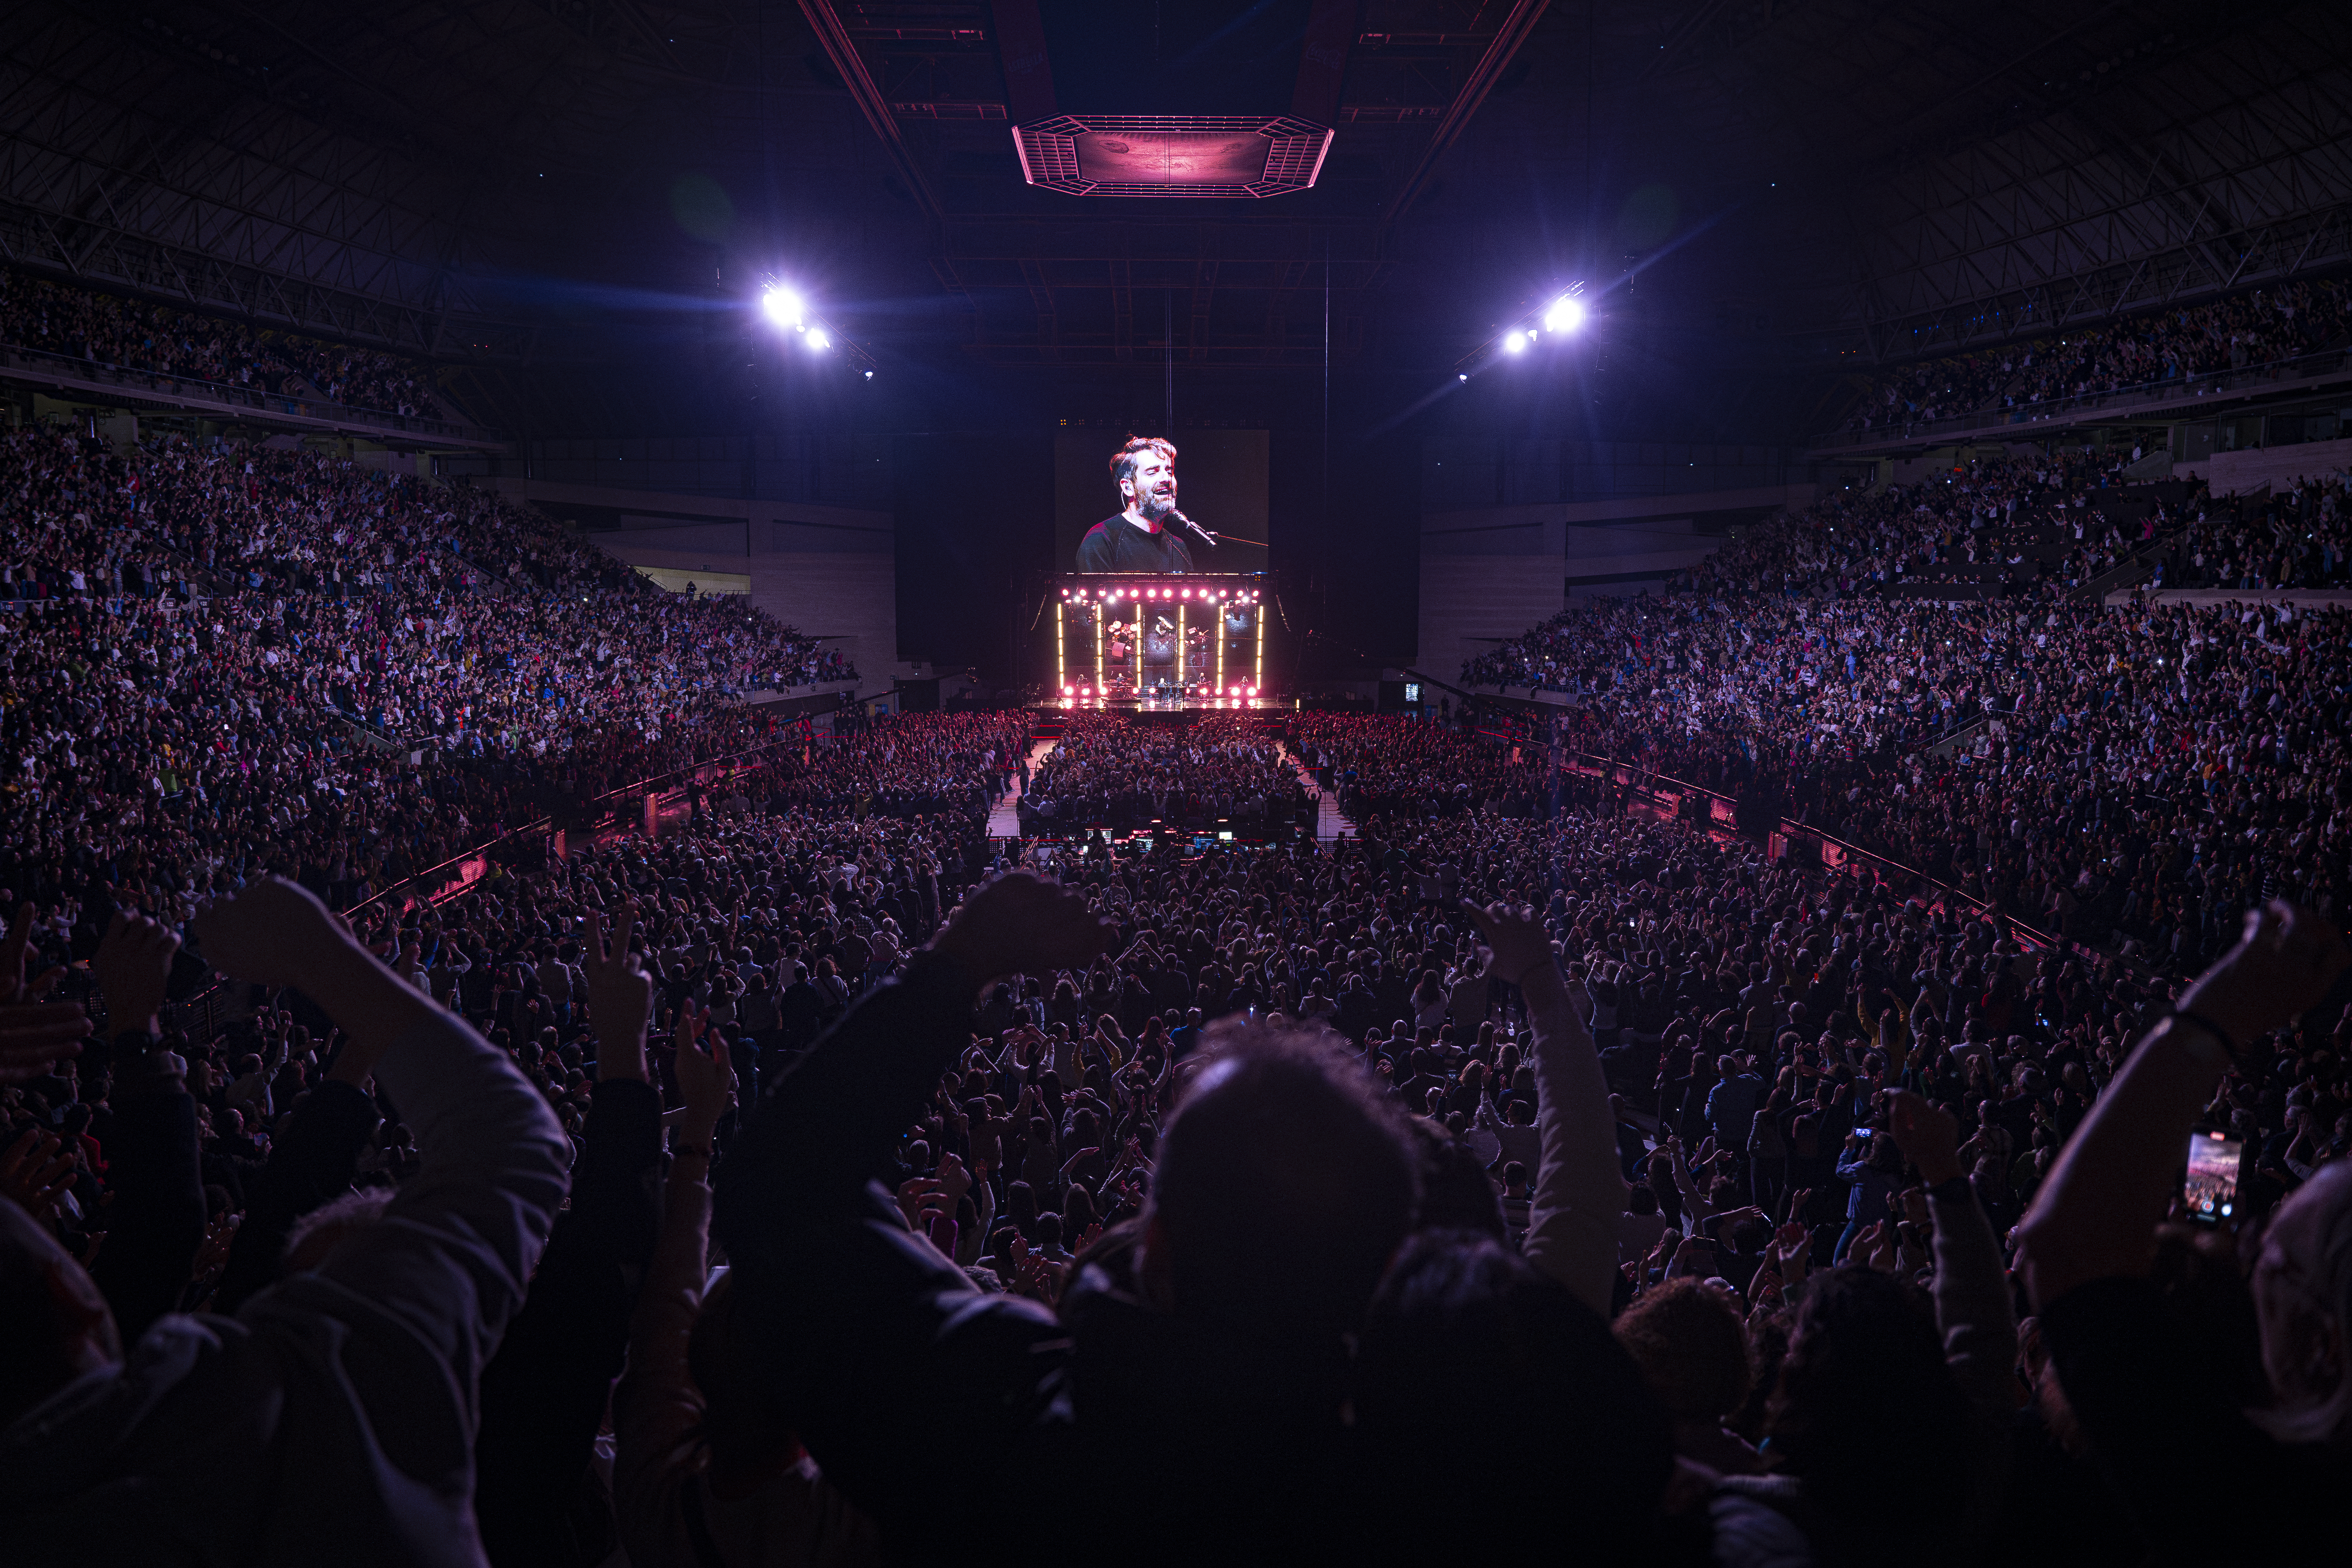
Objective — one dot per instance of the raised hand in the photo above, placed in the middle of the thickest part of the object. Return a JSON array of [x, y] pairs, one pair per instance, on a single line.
[[919, 1197], [1929, 1138], [620, 995], [954, 1179], [1022, 924], [1517, 944], [1032, 1275], [34, 1172], [270, 931], [15, 948], [132, 964], [706, 1079], [2284, 963], [1791, 1250]]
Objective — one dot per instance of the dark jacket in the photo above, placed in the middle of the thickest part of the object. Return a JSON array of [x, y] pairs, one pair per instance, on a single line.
[[335, 1407]]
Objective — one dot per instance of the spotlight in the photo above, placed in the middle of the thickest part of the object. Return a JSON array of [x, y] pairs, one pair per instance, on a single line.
[[1567, 314], [817, 340], [1462, 377], [1515, 343], [869, 376], [783, 307]]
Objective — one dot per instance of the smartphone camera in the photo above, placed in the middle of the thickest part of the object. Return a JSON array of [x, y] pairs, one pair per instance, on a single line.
[[2210, 1190]]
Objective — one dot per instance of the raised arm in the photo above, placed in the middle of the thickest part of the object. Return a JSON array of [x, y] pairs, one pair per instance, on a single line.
[[2168, 1429], [2095, 1216], [1973, 1310], [157, 1219], [1697, 1210], [545, 1391], [658, 1409], [444, 1268], [311, 1162], [1579, 1198], [924, 1372]]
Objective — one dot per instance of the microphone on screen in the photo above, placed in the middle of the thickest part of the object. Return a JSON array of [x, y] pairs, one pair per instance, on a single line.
[[1203, 534]]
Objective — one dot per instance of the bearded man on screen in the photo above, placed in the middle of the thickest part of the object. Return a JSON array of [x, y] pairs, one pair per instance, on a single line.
[[1139, 539]]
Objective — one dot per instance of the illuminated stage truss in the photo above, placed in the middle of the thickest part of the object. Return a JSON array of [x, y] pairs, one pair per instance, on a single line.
[[1160, 643]]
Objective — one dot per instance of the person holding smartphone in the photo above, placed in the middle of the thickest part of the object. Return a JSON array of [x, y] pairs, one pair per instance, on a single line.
[[2157, 1409]]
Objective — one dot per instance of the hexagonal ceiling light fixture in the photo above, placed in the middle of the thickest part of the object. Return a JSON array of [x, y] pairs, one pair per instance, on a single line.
[[1173, 154]]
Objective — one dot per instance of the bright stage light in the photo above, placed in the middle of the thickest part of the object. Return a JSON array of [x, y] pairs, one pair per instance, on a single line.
[[783, 307], [1567, 314], [817, 340], [1515, 343]]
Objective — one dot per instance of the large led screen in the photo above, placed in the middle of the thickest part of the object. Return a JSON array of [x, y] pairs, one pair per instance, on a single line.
[[1216, 478]]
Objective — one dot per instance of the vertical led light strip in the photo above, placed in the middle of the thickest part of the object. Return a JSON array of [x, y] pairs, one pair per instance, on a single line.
[[1183, 655], [1258, 682], [1061, 666], [1221, 649], [1102, 635]]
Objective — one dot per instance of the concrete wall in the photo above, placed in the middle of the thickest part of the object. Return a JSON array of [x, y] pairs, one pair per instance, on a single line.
[[1482, 581], [1491, 573], [2234, 472], [830, 572]]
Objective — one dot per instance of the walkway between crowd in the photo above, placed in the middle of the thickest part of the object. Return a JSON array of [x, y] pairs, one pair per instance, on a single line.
[[1329, 821], [1004, 815]]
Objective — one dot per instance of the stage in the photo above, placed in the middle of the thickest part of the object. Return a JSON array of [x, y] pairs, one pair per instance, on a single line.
[[1193, 643], [1165, 709]]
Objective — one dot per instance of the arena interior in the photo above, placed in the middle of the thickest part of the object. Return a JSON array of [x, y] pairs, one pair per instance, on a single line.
[[1338, 781]]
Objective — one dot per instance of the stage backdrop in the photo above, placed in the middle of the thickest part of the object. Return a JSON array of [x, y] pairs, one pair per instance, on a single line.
[[1221, 484]]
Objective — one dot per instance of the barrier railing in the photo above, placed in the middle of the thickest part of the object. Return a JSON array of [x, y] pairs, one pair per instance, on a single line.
[[1723, 809], [204, 1014]]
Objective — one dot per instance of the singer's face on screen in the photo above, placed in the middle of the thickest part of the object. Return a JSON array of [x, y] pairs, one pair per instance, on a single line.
[[1151, 490]]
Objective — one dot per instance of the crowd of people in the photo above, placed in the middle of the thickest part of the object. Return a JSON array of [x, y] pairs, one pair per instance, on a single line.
[[804, 1175], [1397, 767], [1615, 1179], [913, 766], [1225, 768], [2132, 774], [393, 674], [134, 334], [2298, 536], [2278, 322]]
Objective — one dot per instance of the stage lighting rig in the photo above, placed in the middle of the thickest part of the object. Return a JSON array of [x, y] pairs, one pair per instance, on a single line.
[[1567, 314], [1552, 320], [786, 308]]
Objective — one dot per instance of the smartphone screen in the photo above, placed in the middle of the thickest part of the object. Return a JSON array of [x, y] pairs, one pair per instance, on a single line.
[[2211, 1188]]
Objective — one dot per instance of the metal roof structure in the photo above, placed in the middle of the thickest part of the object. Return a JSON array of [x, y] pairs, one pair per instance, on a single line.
[[533, 188]]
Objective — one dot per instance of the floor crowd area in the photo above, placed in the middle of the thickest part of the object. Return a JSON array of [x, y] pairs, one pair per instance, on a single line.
[[815, 1177]]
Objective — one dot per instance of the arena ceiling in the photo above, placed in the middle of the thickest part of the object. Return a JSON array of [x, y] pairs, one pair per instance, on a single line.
[[1790, 186]]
